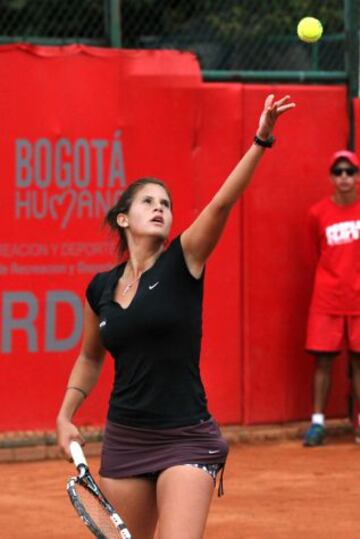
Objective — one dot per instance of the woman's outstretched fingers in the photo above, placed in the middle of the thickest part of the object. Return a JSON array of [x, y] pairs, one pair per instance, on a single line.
[[272, 110], [283, 100], [285, 107], [269, 101]]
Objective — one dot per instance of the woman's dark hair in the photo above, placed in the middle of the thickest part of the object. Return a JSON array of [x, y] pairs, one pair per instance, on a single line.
[[123, 206]]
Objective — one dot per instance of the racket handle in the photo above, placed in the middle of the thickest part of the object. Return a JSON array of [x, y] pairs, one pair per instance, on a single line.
[[77, 454]]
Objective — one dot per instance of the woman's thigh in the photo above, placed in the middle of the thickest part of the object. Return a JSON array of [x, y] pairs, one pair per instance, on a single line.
[[184, 495], [134, 499]]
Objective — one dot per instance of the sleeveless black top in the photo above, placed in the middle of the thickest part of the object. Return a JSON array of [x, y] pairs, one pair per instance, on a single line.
[[155, 342]]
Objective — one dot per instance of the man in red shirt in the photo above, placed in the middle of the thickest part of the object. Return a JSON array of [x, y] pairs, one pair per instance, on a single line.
[[334, 316]]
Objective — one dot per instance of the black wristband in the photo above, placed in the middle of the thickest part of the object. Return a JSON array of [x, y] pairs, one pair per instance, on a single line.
[[267, 143]]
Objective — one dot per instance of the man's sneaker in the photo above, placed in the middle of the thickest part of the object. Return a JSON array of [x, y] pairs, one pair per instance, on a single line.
[[315, 435], [357, 436]]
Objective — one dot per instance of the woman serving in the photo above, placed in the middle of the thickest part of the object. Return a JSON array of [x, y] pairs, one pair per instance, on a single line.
[[162, 450]]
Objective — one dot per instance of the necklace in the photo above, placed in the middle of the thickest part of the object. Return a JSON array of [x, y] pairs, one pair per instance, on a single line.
[[130, 285]]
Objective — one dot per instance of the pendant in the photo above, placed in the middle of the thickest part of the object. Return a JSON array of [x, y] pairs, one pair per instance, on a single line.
[[126, 289], [129, 285]]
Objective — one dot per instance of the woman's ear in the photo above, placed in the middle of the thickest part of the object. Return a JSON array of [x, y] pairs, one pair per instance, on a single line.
[[122, 220]]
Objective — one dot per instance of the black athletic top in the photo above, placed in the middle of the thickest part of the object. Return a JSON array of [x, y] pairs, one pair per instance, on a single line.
[[155, 343]]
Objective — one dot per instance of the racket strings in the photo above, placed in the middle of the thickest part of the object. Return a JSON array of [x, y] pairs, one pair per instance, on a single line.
[[97, 513]]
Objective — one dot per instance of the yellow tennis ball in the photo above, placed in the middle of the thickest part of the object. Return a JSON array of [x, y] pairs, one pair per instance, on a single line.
[[309, 29]]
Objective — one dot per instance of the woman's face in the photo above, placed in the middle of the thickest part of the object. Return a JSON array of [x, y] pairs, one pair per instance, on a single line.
[[149, 214]]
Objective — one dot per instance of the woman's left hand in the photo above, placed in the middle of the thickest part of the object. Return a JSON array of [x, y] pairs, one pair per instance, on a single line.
[[272, 110]]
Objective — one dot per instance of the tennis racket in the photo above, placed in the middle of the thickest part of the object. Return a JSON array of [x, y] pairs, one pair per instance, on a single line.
[[90, 503]]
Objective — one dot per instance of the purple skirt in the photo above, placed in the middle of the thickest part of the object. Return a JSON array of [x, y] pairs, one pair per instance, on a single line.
[[131, 451]]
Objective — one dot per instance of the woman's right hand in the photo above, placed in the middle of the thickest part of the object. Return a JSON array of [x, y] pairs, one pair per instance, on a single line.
[[66, 433], [272, 110]]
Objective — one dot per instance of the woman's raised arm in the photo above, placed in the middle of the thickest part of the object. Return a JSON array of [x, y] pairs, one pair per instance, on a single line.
[[200, 238]]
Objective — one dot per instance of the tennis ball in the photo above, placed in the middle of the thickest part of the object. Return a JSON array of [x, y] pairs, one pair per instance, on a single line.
[[309, 29]]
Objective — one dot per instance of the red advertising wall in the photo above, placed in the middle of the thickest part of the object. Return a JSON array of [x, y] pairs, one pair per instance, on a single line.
[[84, 124]]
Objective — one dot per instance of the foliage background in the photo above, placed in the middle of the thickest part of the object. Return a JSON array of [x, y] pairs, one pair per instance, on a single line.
[[224, 34]]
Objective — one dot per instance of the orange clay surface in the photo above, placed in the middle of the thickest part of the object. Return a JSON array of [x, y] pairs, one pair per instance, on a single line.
[[272, 490]]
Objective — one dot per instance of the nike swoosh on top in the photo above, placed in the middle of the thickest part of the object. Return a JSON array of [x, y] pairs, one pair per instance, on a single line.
[[151, 286]]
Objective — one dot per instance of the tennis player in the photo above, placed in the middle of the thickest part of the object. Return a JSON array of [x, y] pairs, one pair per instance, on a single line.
[[334, 316], [162, 450]]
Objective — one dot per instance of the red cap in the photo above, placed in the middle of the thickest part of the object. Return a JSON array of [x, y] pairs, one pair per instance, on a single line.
[[345, 154]]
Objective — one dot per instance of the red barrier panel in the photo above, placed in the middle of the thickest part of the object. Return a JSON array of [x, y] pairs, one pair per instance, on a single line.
[[217, 149], [293, 176]]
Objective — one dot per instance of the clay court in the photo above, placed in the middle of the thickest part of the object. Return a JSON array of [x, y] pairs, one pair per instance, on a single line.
[[273, 490]]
